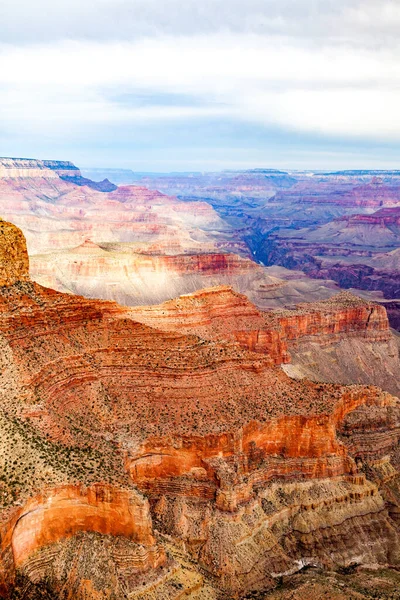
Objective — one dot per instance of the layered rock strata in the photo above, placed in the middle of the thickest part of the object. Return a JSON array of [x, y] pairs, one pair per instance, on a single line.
[[59, 209], [359, 251], [20, 168], [248, 473], [343, 339], [63, 512]]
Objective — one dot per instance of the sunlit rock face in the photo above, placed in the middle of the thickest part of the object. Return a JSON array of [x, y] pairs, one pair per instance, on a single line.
[[14, 262], [60, 513], [136, 274], [151, 462], [119, 272], [25, 168]]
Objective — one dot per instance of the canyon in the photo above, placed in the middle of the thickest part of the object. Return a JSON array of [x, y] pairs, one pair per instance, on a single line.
[[229, 429], [343, 339], [134, 245], [163, 452], [138, 246], [341, 226]]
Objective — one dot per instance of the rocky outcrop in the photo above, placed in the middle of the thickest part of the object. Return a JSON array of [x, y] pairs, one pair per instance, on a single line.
[[14, 262], [70, 173], [219, 313], [63, 168], [119, 272], [289, 526], [47, 171], [137, 274]]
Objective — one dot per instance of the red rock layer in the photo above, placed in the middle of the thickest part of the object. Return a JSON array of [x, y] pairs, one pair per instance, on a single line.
[[385, 216], [230, 465], [90, 260], [222, 313]]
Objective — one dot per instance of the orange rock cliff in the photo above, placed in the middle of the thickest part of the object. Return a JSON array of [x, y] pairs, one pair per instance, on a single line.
[[195, 466], [352, 331]]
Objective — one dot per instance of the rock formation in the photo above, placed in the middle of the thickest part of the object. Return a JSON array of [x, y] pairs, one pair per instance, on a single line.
[[193, 466], [57, 209], [25, 168], [134, 274], [359, 251], [14, 262], [343, 339]]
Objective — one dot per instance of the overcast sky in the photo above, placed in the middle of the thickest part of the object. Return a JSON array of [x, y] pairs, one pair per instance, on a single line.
[[206, 84]]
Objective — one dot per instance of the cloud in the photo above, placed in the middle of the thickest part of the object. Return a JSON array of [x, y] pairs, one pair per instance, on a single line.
[[321, 68], [356, 21], [336, 91]]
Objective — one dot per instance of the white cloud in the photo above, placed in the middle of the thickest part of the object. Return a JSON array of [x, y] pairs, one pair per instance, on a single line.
[[357, 21], [332, 90]]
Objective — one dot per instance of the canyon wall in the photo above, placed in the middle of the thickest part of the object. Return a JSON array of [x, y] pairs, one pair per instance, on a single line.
[[248, 473], [343, 339], [63, 512], [340, 225]]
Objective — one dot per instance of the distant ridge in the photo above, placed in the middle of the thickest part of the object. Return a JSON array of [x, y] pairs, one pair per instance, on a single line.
[[359, 172], [16, 168]]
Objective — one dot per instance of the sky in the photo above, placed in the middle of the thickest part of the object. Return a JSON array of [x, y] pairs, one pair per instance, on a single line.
[[160, 85]]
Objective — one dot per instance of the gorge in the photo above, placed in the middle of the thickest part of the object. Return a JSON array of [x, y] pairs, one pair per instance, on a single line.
[[229, 429], [196, 466]]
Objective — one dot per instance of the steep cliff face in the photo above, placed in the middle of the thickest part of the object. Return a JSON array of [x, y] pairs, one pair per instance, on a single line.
[[248, 473], [343, 339], [63, 168], [148, 273], [322, 523], [124, 273]]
